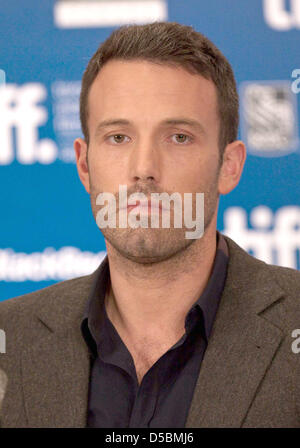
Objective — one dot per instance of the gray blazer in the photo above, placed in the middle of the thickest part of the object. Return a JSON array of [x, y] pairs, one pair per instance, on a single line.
[[250, 376]]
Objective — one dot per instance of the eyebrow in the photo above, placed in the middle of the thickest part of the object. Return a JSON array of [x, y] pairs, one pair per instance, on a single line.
[[167, 122]]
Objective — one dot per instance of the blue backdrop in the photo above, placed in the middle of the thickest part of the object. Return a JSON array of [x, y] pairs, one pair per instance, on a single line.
[[48, 232]]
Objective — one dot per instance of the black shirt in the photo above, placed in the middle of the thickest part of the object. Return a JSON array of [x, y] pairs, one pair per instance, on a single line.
[[163, 398]]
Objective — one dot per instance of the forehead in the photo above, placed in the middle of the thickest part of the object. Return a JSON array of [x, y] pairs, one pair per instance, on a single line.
[[140, 87]]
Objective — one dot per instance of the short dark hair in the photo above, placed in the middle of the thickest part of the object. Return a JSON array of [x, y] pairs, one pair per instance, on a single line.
[[173, 44]]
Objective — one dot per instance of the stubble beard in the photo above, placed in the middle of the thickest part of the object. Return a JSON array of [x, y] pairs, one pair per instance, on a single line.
[[153, 245]]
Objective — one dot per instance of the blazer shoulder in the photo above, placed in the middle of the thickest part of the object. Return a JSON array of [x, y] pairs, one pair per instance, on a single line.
[[257, 272], [288, 279], [283, 274]]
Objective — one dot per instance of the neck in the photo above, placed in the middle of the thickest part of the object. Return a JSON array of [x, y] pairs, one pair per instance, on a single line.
[[153, 299]]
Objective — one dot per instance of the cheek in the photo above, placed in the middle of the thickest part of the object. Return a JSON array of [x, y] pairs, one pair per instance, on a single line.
[[105, 176], [195, 176], [204, 179]]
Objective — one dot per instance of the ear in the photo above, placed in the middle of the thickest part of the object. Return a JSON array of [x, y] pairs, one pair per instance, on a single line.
[[232, 166], [80, 148]]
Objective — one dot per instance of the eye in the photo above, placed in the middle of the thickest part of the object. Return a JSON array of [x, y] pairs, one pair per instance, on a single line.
[[117, 138], [182, 138]]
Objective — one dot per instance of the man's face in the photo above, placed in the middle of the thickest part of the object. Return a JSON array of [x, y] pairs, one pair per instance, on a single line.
[[153, 150]]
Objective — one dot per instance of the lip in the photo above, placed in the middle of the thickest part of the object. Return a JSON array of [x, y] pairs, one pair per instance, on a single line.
[[143, 207]]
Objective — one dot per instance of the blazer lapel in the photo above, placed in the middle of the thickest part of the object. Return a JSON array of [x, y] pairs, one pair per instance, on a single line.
[[241, 346], [55, 368], [55, 375]]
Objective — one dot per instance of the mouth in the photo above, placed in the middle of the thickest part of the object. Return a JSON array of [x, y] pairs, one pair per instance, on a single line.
[[146, 207]]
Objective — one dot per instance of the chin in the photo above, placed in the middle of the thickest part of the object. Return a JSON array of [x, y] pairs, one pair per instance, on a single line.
[[142, 246]]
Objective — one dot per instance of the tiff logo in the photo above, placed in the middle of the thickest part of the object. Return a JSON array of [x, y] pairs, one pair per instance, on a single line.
[[20, 118], [278, 17], [273, 238]]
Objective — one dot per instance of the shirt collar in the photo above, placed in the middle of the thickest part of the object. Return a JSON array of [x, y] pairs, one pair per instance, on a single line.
[[208, 301], [210, 297]]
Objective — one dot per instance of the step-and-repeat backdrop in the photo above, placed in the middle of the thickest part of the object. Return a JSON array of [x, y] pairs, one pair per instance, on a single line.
[[48, 233]]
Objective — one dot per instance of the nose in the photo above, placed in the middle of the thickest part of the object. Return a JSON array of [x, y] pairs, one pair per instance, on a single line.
[[144, 163]]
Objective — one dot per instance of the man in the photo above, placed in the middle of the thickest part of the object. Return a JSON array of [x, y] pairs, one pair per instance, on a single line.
[[169, 331]]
